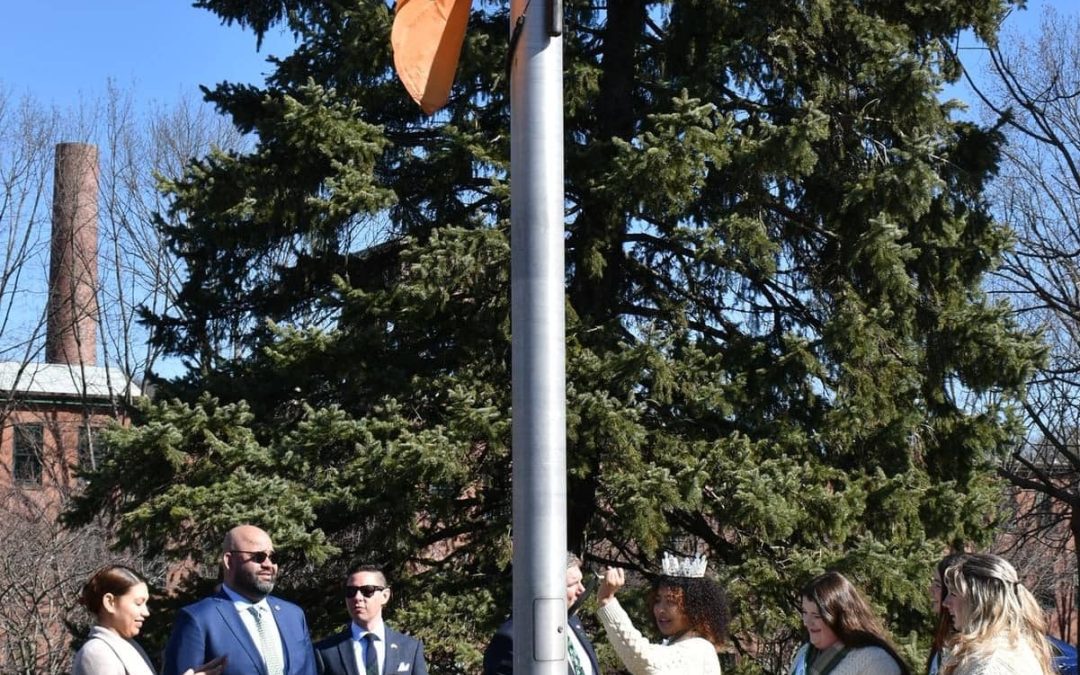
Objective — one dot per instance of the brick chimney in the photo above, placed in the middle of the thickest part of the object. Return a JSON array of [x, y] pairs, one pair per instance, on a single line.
[[71, 335]]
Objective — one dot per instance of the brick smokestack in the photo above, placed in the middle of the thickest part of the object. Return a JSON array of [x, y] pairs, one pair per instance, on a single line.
[[73, 272]]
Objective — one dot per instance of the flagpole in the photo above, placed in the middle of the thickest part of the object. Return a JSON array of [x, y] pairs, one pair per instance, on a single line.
[[538, 339]]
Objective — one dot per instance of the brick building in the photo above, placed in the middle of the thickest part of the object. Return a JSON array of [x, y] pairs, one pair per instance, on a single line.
[[50, 412]]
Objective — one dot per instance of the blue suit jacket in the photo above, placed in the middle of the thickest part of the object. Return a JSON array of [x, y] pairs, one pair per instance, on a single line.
[[404, 655], [212, 627], [499, 655]]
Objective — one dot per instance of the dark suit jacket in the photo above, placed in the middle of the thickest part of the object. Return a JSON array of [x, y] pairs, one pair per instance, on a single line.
[[499, 655], [404, 655], [212, 627]]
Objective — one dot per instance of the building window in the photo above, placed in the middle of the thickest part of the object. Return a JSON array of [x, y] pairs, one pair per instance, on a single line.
[[26, 458]]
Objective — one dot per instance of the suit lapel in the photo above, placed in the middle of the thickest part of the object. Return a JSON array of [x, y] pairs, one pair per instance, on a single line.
[[395, 650], [231, 617], [347, 653], [579, 631], [275, 607]]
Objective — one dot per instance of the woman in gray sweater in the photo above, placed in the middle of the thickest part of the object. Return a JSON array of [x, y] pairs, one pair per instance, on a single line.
[[846, 637]]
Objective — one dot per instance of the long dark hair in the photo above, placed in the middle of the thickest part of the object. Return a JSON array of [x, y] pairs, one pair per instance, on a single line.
[[703, 602], [844, 609]]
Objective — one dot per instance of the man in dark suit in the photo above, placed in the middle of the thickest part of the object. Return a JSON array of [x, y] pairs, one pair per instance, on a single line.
[[580, 656], [368, 646], [261, 634]]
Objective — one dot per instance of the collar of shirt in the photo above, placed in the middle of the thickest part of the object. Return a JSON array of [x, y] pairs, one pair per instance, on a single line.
[[241, 603], [358, 633]]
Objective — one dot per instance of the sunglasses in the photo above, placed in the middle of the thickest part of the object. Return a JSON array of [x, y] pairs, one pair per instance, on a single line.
[[259, 557], [366, 591]]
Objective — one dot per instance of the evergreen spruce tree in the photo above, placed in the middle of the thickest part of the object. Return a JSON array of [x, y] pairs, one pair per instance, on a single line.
[[777, 344]]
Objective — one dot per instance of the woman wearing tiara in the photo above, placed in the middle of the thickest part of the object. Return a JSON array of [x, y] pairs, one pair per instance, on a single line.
[[846, 638], [999, 624], [690, 612]]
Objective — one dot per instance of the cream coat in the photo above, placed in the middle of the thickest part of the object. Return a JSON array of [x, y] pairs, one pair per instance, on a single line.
[[106, 653], [1001, 659]]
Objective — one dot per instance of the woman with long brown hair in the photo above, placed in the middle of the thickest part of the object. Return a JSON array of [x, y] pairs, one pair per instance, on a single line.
[[846, 637]]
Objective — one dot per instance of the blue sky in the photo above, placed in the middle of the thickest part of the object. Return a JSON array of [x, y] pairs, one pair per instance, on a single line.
[[59, 51], [63, 52]]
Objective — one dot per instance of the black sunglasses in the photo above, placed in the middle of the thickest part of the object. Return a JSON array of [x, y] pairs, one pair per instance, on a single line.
[[366, 591], [259, 557]]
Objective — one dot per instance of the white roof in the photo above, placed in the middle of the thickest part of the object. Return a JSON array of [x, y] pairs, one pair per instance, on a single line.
[[62, 379]]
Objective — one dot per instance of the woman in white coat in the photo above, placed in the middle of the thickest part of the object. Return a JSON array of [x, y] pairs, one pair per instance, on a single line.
[[690, 612], [1000, 627], [117, 597]]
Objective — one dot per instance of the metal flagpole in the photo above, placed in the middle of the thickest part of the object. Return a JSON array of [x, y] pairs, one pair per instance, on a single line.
[[538, 338]]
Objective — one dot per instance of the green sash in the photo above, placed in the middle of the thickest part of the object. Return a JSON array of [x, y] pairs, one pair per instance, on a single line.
[[811, 667]]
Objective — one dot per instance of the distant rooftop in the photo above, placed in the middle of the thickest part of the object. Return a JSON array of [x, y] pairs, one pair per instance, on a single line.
[[66, 380]]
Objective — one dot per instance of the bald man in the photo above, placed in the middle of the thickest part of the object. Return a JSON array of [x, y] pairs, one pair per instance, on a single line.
[[259, 633]]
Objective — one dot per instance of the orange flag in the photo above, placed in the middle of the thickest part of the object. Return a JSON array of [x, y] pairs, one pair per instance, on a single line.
[[427, 38]]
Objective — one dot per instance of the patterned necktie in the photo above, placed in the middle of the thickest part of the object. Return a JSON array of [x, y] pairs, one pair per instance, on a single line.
[[371, 659], [269, 654], [571, 652]]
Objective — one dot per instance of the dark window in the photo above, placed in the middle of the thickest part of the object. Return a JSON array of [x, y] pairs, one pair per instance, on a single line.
[[89, 450], [27, 454]]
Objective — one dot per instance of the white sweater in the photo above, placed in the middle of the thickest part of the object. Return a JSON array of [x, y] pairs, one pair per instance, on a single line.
[[1001, 659], [859, 661], [688, 656]]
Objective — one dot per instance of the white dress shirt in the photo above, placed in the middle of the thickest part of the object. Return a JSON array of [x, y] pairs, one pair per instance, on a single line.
[[243, 607], [360, 644]]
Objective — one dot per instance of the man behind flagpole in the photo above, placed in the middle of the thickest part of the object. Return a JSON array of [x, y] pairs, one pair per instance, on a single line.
[[580, 655]]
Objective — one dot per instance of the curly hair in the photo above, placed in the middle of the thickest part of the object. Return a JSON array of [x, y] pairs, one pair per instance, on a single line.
[[991, 603], [703, 602], [847, 613]]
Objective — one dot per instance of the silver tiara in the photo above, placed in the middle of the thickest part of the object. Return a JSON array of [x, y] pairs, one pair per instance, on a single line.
[[677, 566]]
